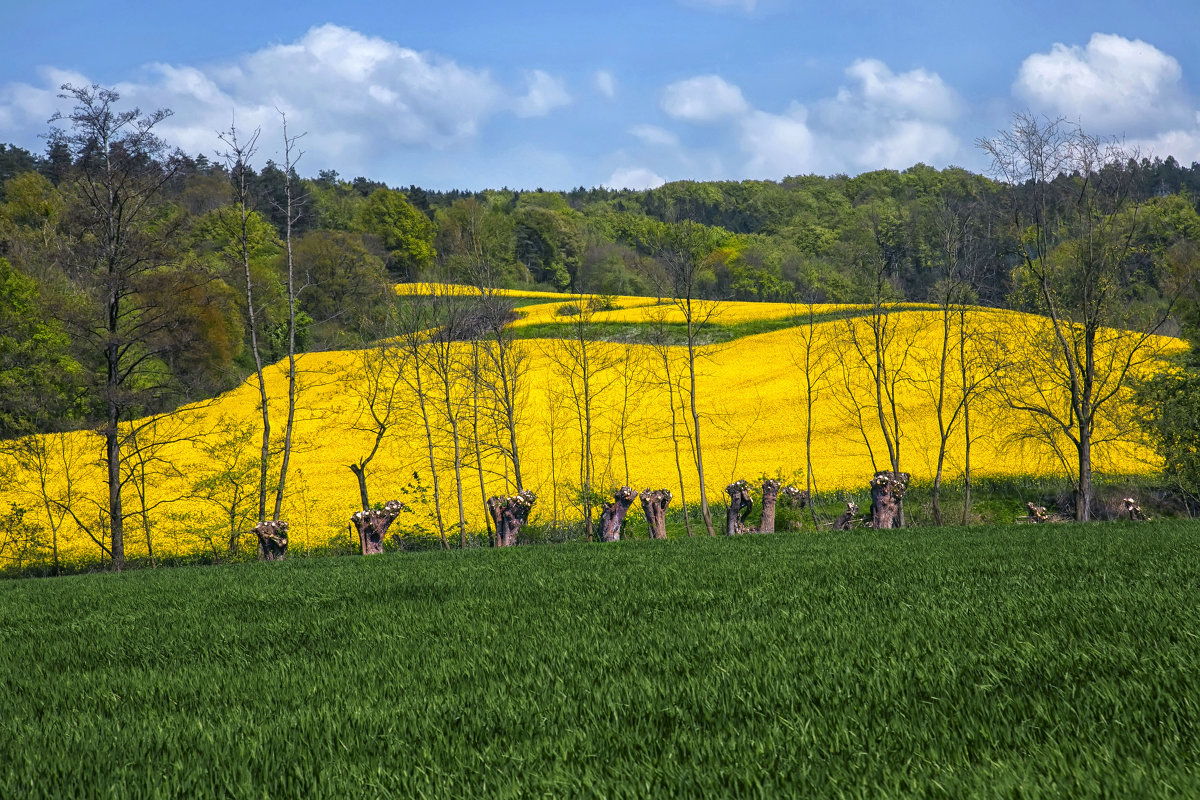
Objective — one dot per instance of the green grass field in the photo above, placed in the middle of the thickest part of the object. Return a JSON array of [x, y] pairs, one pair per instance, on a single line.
[[1026, 661]]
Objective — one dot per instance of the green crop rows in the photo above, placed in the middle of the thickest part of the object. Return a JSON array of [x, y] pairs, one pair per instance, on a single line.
[[1026, 661]]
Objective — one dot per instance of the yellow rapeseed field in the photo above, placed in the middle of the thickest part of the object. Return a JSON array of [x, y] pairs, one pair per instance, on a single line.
[[751, 397]]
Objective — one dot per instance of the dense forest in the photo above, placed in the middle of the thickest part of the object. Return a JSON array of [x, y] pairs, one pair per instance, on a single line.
[[137, 277]]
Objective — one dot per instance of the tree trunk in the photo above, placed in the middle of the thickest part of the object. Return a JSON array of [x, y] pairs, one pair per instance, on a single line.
[[1083, 499], [116, 514], [654, 506], [887, 499], [272, 539], [739, 507], [509, 515], [846, 520], [612, 518], [770, 495], [372, 525], [360, 472]]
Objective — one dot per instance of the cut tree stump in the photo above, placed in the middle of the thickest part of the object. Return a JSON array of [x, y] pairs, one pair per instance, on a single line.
[[770, 495], [1134, 511], [372, 525], [612, 517], [509, 515], [272, 539], [846, 520], [1037, 514], [740, 505], [654, 506], [887, 498]]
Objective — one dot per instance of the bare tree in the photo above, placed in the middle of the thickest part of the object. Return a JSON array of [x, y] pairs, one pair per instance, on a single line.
[[815, 359], [671, 378], [415, 319], [586, 370], [238, 157], [504, 370], [878, 344], [1076, 220], [292, 208], [376, 379], [683, 266], [121, 168]]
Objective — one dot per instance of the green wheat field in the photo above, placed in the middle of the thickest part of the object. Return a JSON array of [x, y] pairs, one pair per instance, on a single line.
[[1018, 661]]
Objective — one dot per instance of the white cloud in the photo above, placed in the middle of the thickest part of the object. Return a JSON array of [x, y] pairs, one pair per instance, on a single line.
[[358, 97], [654, 135], [545, 94], [779, 144], [705, 98], [879, 119], [605, 83], [635, 178], [915, 93], [1113, 86], [1184, 144]]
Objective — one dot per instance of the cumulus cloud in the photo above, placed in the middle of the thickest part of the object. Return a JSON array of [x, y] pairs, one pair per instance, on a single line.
[[878, 119], [1113, 85], [705, 98], [605, 83], [634, 178], [355, 95]]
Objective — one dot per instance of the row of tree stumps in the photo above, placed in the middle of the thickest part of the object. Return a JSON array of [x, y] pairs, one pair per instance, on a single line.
[[741, 504], [510, 513]]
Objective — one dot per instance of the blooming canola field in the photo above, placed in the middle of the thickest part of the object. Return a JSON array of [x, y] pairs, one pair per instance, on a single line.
[[751, 397]]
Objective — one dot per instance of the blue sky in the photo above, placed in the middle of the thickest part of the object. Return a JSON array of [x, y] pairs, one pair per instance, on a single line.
[[532, 94]]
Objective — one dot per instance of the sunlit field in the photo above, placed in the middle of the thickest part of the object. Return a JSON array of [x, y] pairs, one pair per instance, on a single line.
[[751, 397], [1056, 661]]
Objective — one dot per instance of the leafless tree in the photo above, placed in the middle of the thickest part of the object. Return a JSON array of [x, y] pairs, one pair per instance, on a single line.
[[293, 203], [1076, 219], [682, 265], [120, 169], [815, 359], [238, 157]]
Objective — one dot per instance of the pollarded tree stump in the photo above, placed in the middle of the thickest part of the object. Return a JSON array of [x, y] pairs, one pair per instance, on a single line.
[[509, 515], [272, 539], [612, 517], [887, 498], [796, 498], [846, 520], [770, 495], [1134, 511], [372, 525], [654, 506], [740, 505]]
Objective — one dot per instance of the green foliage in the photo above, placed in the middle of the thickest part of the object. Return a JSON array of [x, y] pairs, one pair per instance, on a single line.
[[343, 285], [406, 233], [38, 377], [1019, 661], [1169, 414]]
